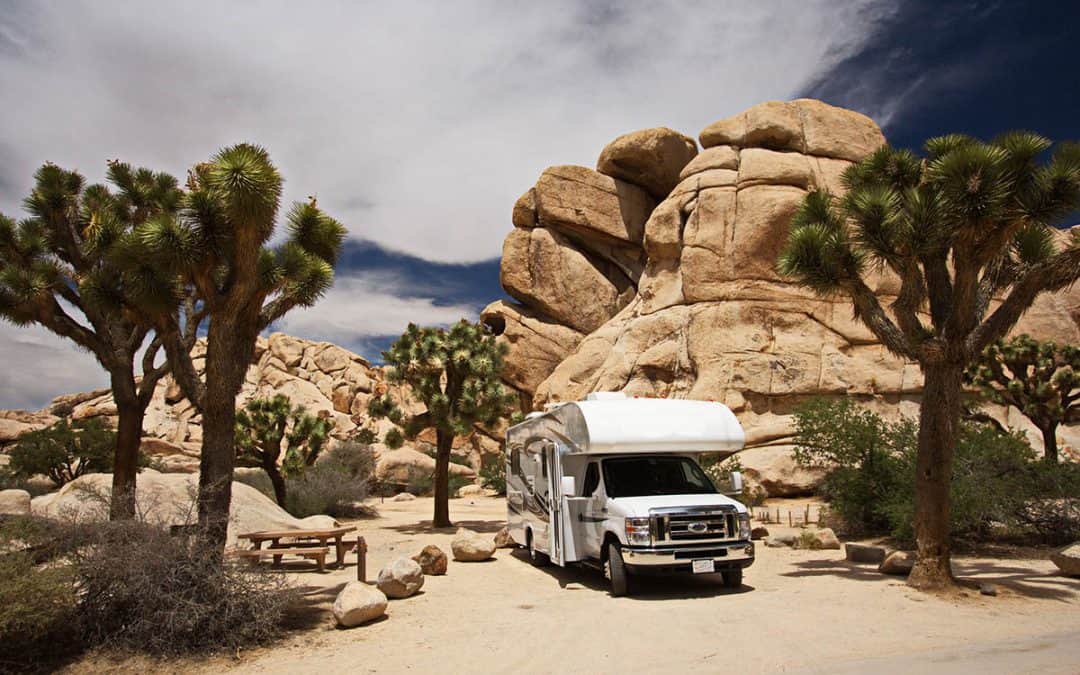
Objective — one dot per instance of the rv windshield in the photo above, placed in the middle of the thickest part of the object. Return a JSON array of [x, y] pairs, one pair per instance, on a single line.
[[655, 475]]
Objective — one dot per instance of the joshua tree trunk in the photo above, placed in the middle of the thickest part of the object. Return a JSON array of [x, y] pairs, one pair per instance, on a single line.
[[1050, 450], [228, 353], [444, 443], [126, 465], [939, 419], [277, 480]]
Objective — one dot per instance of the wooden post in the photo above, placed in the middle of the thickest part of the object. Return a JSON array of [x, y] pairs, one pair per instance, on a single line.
[[789, 521], [361, 560]]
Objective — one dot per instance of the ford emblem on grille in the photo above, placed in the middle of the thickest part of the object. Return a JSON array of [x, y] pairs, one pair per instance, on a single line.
[[698, 528]]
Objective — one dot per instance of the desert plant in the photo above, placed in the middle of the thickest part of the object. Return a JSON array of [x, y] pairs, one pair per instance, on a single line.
[[144, 590], [967, 222], [493, 474], [268, 427], [335, 484], [37, 612], [227, 218], [80, 267], [65, 451], [455, 374], [870, 463], [1040, 379]]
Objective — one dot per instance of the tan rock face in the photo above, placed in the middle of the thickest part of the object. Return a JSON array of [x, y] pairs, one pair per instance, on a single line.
[[536, 343], [650, 158], [712, 319], [545, 270]]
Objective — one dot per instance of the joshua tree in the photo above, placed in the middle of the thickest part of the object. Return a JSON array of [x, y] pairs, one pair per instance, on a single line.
[[219, 246], [1040, 379], [268, 426], [79, 265], [454, 373], [969, 221]]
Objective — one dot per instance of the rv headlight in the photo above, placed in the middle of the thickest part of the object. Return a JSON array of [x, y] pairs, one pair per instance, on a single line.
[[637, 531], [744, 526]]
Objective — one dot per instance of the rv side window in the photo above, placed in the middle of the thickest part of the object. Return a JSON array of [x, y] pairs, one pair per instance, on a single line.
[[592, 480], [515, 461], [542, 458]]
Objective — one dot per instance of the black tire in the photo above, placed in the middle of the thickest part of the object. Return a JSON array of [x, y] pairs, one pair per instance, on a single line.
[[537, 558], [616, 572], [733, 579]]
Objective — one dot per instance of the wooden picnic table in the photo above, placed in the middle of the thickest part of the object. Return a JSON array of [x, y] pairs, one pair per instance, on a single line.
[[321, 536]]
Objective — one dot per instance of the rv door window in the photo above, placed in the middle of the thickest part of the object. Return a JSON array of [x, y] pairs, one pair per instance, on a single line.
[[592, 480], [515, 461]]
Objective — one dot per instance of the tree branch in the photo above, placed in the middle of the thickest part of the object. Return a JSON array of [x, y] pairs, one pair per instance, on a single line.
[[1060, 271], [871, 313]]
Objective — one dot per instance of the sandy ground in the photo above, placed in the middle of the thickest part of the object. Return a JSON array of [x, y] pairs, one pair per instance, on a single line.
[[799, 611]]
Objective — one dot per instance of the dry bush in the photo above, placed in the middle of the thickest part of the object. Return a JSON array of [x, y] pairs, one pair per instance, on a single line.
[[147, 591]]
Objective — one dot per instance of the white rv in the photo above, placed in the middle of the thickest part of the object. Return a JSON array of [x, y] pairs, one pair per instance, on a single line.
[[614, 482]]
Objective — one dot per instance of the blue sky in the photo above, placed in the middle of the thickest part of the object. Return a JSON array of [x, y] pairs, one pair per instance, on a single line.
[[419, 126]]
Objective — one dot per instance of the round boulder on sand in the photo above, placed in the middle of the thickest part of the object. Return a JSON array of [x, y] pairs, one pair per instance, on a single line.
[[403, 497], [432, 560], [401, 578], [503, 539], [1068, 560], [14, 502], [898, 563], [358, 603], [469, 546]]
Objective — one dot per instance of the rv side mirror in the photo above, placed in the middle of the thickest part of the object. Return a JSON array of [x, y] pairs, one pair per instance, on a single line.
[[736, 481], [569, 486]]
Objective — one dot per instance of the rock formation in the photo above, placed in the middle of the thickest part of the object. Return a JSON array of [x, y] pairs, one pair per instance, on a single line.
[[682, 299], [326, 379]]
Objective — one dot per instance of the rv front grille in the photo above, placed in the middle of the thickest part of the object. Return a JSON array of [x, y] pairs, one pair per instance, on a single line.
[[695, 526]]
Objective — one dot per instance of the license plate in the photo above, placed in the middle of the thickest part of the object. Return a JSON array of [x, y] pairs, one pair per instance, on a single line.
[[703, 566]]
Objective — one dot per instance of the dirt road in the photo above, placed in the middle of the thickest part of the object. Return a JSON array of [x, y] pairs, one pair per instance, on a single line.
[[800, 611]]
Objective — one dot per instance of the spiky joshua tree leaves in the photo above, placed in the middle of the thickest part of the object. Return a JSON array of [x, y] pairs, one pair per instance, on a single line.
[[80, 265], [227, 218], [455, 374], [266, 427], [1040, 379], [969, 222]]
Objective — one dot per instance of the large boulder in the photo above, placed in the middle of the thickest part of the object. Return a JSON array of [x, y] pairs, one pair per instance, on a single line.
[[169, 499], [432, 560], [651, 158], [358, 603], [470, 546], [543, 269], [535, 343], [864, 553], [591, 205], [401, 578], [1068, 560], [14, 503]]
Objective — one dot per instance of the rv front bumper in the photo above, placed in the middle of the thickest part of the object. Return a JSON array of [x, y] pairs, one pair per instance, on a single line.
[[734, 555]]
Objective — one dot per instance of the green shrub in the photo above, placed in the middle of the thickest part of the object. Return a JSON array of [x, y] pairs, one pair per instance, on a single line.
[[144, 590], [65, 451], [335, 484], [37, 611], [493, 474], [870, 466]]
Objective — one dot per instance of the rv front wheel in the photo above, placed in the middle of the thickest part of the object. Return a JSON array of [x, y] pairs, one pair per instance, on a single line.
[[616, 572], [537, 558], [733, 578]]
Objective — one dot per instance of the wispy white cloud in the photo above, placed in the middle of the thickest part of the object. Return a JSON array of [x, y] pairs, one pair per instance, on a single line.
[[39, 365], [362, 306], [417, 124]]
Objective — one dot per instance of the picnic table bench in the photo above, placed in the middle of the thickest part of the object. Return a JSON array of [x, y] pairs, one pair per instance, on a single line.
[[313, 544]]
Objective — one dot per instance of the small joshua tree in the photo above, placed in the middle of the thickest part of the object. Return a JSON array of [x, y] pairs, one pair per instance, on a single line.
[[65, 451], [266, 427], [1040, 379], [455, 374]]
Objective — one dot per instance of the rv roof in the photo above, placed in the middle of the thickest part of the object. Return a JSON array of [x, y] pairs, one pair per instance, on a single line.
[[630, 425]]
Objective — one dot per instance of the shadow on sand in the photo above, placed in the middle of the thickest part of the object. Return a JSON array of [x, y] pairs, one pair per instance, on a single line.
[[644, 587], [424, 527], [970, 573]]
